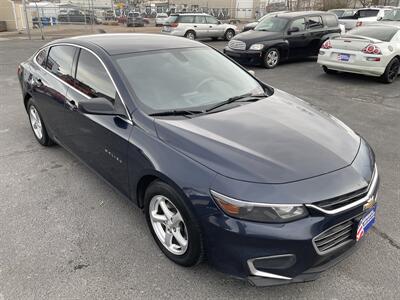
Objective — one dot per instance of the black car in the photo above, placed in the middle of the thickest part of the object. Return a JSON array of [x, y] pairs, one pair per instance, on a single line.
[[76, 16], [283, 36]]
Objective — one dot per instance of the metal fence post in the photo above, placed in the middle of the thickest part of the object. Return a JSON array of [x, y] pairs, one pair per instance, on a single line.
[[26, 20]]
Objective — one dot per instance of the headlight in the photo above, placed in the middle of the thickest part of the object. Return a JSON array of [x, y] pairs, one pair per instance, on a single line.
[[259, 212], [256, 47]]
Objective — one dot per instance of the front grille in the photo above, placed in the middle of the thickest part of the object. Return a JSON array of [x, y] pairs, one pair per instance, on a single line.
[[343, 200], [334, 237], [237, 45]]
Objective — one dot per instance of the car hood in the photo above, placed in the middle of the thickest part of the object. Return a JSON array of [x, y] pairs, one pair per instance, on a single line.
[[279, 139], [253, 36]]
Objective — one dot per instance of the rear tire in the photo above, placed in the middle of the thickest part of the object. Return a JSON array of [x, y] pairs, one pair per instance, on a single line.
[[391, 72], [328, 71], [37, 125], [186, 227], [191, 35]]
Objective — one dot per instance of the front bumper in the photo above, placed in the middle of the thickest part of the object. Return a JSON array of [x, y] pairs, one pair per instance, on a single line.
[[246, 57], [275, 254]]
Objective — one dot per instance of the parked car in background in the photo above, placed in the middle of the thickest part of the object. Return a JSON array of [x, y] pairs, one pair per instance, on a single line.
[[369, 50], [226, 168], [363, 16], [252, 25], [160, 19], [134, 19], [390, 18], [283, 36], [76, 16], [343, 12], [198, 25]]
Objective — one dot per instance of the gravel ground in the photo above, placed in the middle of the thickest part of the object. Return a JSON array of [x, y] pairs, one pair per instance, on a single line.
[[66, 234]]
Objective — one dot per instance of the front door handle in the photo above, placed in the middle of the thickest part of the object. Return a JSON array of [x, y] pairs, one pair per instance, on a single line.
[[195, 26], [72, 105], [210, 26]]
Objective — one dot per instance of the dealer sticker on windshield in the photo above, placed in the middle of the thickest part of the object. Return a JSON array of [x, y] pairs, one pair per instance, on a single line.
[[366, 223]]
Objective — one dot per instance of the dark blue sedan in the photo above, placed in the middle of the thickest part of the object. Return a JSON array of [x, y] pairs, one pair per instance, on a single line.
[[225, 167]]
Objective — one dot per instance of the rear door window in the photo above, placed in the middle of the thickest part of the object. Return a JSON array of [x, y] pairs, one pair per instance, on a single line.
[[200, 20], [314, 22], [365, 13], [59, 62]]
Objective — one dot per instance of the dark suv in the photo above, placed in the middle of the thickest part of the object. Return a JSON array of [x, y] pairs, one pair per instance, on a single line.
[[283, 36]]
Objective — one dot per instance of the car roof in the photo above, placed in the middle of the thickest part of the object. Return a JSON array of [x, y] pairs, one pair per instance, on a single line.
[[121, 43], [295, 14], [190, 14]]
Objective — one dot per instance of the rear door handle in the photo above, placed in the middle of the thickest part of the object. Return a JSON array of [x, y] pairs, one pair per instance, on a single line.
[[195, 26]]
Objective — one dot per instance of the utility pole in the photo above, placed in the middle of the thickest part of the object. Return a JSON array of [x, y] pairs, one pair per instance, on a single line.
[[26, 20]]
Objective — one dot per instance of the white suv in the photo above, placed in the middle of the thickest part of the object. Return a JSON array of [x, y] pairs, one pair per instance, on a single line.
[[198, 25]]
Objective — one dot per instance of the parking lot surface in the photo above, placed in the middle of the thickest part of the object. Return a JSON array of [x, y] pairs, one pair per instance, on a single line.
[[64, 233]]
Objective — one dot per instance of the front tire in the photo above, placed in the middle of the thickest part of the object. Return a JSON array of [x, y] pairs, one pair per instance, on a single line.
[[271, 58], [173, 225], [37, 125], [392, 71]]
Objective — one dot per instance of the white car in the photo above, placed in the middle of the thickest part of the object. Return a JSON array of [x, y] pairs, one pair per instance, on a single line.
[[364, 16], [160, 19], [198, 25], [369, 50]]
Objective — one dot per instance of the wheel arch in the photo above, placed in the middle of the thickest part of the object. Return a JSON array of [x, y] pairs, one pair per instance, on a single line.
[[27, 96], [281, 46]]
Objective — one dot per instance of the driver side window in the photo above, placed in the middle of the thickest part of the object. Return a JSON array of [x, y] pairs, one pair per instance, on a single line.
[[211, 20], [92, 79], [299, 23]]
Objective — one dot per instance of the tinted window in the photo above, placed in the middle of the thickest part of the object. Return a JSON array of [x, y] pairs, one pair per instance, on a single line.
[[186, 19], [211, 20], [200, 19], [315, 22], [367, 13], [91, 77], [330, 20], [273, 24], [380, 33], [300, 23], [41, 57], [59, 62]]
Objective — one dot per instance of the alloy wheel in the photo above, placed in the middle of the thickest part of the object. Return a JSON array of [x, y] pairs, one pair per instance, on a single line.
[[229, 35], [36, 122], [190, 35], [272, 58], [168, 225]]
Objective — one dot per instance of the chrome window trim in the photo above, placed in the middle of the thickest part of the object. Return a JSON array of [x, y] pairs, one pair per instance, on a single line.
[[245, 203], [255, 272], [75, 89], [371, 189]]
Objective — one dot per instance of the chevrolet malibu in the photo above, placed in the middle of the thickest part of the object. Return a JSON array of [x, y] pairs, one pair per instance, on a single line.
[[225, 167]]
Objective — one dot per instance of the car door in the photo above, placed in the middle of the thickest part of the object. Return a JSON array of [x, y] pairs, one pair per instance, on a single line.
[[215, 29], [200, 26], [99, 140], [316, 30], [50, 82], [297, 37]]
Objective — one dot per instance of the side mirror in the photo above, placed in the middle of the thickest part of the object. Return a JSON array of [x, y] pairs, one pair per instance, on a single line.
[[380, 18], [293, 29], [219, 23], [97, 106]]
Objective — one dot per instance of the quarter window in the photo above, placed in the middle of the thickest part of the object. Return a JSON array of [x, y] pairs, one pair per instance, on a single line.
[[315, 22], [92, 79], [41, 57], [59, 62], [300, 23]]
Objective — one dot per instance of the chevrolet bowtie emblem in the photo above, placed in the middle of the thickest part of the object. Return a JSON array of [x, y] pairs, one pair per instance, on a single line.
[[370, 203]]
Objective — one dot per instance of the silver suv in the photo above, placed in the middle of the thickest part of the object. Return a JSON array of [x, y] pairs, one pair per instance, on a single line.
[[198, 25]]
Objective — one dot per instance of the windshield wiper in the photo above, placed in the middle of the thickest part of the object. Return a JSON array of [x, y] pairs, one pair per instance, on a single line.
[[175, 113], [242, 98]]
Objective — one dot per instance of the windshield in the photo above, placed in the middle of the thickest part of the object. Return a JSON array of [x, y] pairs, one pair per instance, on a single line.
[[189, 78], [273, 24], [392, 15]]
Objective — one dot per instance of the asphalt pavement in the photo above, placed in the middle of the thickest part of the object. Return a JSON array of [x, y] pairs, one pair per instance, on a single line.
[[64, 233]]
